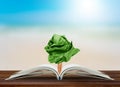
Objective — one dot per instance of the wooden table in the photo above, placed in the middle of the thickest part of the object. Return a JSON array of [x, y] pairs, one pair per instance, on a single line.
[[66, 82]]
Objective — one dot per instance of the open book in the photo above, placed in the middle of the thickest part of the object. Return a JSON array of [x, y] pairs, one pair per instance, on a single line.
[[72, 70]]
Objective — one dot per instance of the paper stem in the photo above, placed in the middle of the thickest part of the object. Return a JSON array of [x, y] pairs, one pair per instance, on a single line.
[[59, 67]]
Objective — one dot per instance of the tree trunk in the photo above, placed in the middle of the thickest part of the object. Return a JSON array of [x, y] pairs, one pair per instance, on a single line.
[[59, 68]]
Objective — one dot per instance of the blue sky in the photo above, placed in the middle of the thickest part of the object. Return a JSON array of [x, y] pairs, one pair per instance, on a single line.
[[30, 12], [17, 6]]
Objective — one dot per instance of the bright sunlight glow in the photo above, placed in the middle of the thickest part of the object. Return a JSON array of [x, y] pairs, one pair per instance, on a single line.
[[89, 6], [87, 9]]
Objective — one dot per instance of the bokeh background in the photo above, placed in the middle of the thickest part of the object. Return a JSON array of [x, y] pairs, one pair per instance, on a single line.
[[92, 25]]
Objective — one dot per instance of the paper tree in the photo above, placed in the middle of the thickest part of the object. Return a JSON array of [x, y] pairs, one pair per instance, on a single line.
[[60, 50]]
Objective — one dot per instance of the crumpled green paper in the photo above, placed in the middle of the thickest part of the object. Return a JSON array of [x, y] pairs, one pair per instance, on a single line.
[[60, 49]]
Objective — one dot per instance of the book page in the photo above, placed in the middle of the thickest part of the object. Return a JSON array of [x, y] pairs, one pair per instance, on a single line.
[[45, 70], [77, 70]]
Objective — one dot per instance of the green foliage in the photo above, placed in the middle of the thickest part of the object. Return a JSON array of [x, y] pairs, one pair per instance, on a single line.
[[60, 49]]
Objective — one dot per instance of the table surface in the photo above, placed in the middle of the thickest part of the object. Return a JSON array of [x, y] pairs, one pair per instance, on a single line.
[[66, 81]]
